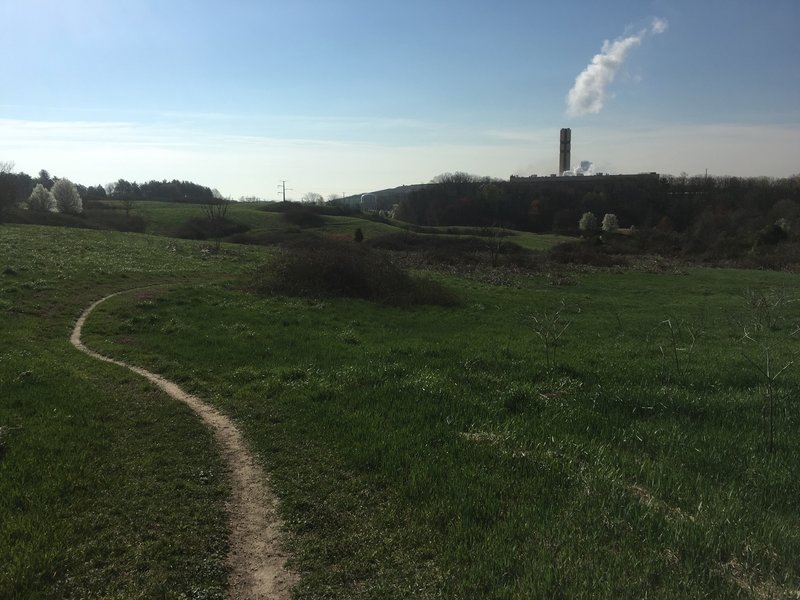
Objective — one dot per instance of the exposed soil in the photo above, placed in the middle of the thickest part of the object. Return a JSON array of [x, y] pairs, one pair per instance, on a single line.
[[257, 563]]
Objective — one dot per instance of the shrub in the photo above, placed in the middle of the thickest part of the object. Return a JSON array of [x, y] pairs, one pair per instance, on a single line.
[[111, 219], [200, 228], [302, 216], [407, 242], [41, 199], [328, 268], [771, 235], [587, 252], [326, 209], [67, 198]]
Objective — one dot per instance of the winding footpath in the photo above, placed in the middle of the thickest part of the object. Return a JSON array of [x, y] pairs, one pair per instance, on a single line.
[[256, 561]]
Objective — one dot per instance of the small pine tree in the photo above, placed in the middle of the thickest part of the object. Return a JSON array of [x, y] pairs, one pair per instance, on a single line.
[[67, 198], [41, 199], [588, 222], [610, 223]]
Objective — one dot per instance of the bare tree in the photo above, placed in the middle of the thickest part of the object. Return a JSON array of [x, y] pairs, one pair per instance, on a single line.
[[127, 205], [312, 198], [215, 213], [459, 177]]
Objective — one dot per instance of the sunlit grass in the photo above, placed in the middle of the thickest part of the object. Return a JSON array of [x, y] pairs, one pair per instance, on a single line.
[[418, 452], [107, 487], [165, 218], [431, 452]]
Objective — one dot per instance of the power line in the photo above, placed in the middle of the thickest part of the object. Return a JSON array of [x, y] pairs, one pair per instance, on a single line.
[[282, 187]]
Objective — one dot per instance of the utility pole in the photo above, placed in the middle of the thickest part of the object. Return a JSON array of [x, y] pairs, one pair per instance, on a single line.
[[282, 187]]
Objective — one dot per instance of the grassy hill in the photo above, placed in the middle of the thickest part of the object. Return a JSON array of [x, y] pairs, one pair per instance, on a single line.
[[262, 222], [573, 434]]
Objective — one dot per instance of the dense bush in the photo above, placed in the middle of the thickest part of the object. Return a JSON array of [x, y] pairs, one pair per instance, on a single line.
[[412, 242], [89, 219], [303, 216], [112, 219], [320, 209], [329, 268], [590, 252], [771, 248], [201, 228]]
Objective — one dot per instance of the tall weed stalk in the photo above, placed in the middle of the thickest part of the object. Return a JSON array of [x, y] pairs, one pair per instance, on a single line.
[[763, 326], [550, 327], [676, 347]]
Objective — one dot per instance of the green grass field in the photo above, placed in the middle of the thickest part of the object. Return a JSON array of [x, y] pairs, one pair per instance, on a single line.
[[418, 452], [107, 487], [165, 218]]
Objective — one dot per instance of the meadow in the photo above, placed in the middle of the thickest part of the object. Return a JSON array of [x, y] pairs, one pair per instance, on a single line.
[[597, 433], [169, 219], [107, 488]]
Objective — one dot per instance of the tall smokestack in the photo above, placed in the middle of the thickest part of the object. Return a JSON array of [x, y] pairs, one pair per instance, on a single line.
[[563, 155]]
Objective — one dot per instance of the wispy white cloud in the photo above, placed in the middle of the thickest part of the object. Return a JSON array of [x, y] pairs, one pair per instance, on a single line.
[[590, 92], [658, 26]]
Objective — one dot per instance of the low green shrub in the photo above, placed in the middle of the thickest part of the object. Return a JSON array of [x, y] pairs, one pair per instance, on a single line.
[[89, 219], [200, 228], [406, 242], [116, 220], [590, 252], [303, 217], [330, 268]]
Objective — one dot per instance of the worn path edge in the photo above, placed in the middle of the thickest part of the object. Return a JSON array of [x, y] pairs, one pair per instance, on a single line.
[[257, 563]]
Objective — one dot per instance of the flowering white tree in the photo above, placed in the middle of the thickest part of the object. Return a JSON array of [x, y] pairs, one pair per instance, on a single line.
[[610, 223], [67, 198], [41, 199], [588, 222]]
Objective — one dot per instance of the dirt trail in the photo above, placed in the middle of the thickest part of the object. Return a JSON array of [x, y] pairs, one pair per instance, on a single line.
[[257, 563]]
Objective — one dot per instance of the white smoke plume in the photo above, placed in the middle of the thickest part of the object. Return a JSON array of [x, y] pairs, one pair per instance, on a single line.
[[589, 94], [586, 168]]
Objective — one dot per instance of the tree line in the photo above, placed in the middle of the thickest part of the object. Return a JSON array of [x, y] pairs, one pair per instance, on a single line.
[[695, 205], [165, 191], [18, 187]]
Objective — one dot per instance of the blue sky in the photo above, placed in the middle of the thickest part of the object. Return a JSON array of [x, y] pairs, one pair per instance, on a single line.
[[348, 96]]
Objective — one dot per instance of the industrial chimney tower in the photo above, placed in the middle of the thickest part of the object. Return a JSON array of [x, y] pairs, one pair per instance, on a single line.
[[563, 154]]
